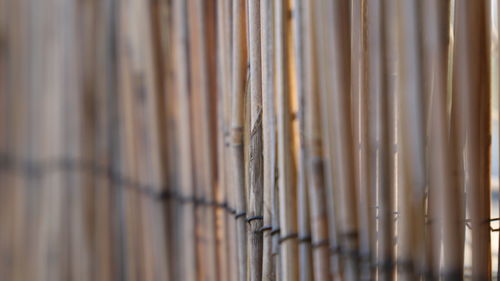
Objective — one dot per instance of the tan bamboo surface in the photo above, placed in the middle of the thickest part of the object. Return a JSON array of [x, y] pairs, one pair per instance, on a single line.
[[248, 140], [303, 212], [268, 135]]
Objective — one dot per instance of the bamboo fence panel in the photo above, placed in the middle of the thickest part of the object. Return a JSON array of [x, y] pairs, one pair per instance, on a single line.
[[248, 140]]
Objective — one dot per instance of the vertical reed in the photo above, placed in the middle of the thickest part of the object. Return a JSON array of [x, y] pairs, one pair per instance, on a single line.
[[443, 188], [359, 103], [186, 250], [411, 193], [286, 180], [268, 134], [303, 212], [337, 40], [314, 147], [239, 75], [255, 192], [199, 30], [387, 134], [471, 85], [375, 83]]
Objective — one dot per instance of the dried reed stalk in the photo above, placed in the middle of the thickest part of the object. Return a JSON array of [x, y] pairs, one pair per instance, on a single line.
[[375, 84], [337, 40], [471, 85], [286, 180], [226, 258], [411, 191], [201, 125], [105, 100], [186, 250], [444, 189], [255, 164], [303, 217], [53, 253], [359, 103], [328, 135], [387, 134], [236, 134], [145, 88], [269, 134], [314, 146]]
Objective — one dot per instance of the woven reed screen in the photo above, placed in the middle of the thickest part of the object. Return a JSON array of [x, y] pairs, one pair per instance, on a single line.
[[248, 140]]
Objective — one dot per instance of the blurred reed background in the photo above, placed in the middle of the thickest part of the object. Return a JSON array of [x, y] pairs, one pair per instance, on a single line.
[[249, 140]]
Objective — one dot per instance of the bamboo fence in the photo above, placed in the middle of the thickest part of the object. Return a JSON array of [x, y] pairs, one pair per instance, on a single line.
[[248, 140]]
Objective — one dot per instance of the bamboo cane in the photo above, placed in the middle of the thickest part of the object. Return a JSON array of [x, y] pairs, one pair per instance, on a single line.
[[286, 180], [443, 187], [387, 183], [201, 123], [187, 250], [132, 211], [81, 146], [496, 63], [338, 40], [375, 87], [53, 256], [223, 220], [255, 165], [304, 227], [359, 102], [5, 218], [16, 139], [236, 134], [269, 133], [171, 101], [105, 151], [328, 134], [411, 193], [144, 76], [314, 146], [471, 90], [229, 189]]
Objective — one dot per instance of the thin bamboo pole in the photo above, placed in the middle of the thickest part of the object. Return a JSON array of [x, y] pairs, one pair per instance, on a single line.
[[359, 98], [133, 210], [411, 193], [144, 74], [328, 134], [199, 29], [79, 145], [172, 153], [304, 227], [387, 182], [5, 86], [186, 250], [337, 42], [105, 102], [445, 192], [255, 165], [314, 146], [223, 220], [53, 260], [232, 246], [275, 231], [17, 140], [286, 180], [236, 133], [269, 133], [375, 87], [471, 88], [494, 52]]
